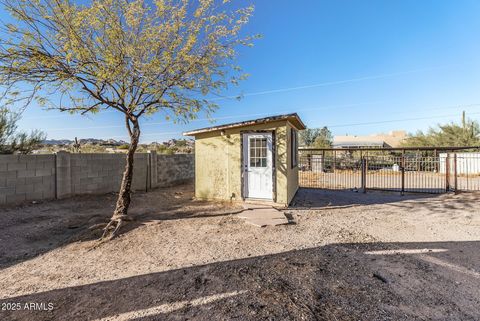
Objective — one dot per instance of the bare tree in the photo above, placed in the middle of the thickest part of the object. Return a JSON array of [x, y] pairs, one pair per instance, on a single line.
[[135, 57]]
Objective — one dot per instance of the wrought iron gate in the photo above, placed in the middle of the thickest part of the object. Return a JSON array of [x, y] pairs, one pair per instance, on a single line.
[[432, 170]]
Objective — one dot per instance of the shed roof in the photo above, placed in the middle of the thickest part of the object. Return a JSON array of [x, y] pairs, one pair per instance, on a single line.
[[292, 118]]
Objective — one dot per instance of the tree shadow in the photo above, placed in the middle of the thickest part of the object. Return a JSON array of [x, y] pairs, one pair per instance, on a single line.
[[353, 281], [314, 198]]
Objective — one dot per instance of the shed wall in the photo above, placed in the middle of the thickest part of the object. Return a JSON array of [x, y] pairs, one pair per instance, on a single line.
[[292, 173], [218, 163]]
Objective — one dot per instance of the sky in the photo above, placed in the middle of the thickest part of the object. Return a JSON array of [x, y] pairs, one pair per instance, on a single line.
[[357, 67]]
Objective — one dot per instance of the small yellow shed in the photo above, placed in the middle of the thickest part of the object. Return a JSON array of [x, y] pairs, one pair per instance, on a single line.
[[249, 160]]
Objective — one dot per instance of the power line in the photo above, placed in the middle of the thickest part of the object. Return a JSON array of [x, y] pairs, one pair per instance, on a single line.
[[396, 120], [293, 88], [332, 83], [216, 118], [267, 114], [337, 126]]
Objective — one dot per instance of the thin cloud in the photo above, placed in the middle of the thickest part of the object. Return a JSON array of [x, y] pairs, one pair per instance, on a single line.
[[332, 83]]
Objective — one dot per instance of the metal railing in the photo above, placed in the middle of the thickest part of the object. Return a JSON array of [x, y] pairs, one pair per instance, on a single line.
[[432, 170]]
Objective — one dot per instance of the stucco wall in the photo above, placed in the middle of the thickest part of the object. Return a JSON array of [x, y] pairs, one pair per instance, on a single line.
[[292, 173], [218, 164]]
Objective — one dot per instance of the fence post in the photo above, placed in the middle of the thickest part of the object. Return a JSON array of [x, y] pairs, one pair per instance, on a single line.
[[417, 157], [364, 175], [153, 169], [455, 172], [447, 172], [334, 160], [403, 172], [63, 175], [323, 160]]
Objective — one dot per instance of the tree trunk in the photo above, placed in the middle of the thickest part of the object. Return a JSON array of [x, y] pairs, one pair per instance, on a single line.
[[123, 202]]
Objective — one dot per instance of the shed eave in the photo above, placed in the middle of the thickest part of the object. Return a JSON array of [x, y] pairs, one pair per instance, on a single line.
[[294, 119]]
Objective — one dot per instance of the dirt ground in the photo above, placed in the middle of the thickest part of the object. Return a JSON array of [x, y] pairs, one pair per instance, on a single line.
[[345, 256]]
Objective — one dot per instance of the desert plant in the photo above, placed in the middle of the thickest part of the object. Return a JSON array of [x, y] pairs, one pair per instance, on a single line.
[[123, 146], [14, 141], [466, 133]]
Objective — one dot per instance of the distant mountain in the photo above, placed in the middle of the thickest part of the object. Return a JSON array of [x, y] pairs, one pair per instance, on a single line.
[[57, 142], [85, 141]]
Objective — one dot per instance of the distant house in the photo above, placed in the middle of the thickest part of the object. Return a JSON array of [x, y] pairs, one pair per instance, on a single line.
[[255, 159], [392, 139], [358, 142]]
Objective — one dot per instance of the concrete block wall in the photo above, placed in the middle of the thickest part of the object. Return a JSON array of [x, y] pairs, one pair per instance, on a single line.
[[40, 177], [175, 169], [26, 178], [102, 173]]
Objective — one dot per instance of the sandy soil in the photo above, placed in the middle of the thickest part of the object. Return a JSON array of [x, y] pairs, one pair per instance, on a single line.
[[346, 256]]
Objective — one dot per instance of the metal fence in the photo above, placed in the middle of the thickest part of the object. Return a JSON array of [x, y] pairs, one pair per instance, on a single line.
[[429, 170]]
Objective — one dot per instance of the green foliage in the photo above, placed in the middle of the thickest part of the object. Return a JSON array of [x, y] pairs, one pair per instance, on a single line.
[[168, 151], [316, 138], [124, 146], [91, 148], [13, 141], [162, 149], [181, 143], [324, 139], [467, 133], [308, 136]]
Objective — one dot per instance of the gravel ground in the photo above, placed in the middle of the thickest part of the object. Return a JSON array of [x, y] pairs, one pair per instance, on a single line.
[[346, 256]]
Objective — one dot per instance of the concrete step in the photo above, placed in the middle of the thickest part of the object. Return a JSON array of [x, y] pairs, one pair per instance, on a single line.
[[264, 217]]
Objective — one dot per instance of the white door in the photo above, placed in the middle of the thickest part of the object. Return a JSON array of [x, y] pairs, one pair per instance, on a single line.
[[257, 165]]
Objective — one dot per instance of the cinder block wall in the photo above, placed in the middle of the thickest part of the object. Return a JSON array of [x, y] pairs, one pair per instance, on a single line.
[[26, 178], [102, 173], [40, 177], [175, 169]]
